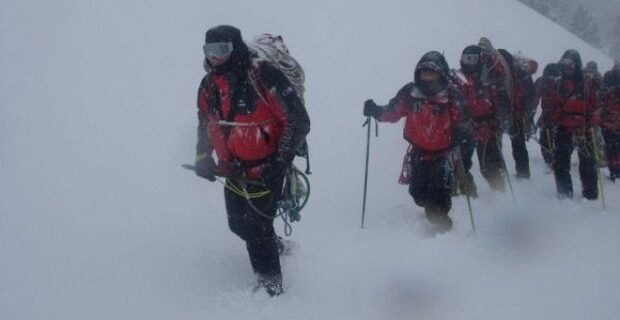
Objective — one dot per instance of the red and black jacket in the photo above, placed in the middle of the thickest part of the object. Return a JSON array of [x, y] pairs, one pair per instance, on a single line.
[[575, 101], [250, 116], [431, 123], [481, 103], [574, 104], [610, 102]]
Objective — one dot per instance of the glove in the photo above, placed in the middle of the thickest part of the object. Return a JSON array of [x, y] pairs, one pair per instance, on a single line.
[[275, 172], [371, 109], [205, 167], [227, 169]]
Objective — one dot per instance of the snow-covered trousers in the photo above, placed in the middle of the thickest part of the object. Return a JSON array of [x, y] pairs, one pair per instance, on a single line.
[[491, 162], [564, 146], [257, 231], [612, 149], [430, 184], [518, 131]]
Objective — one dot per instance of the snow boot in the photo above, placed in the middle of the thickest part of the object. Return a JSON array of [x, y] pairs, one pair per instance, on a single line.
[[271, 284], [439, 218]]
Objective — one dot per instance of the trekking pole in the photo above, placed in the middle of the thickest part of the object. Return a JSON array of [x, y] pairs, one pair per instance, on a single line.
[[598, 168], [461, 171], [471, 213], [367, 123], [512, 192]]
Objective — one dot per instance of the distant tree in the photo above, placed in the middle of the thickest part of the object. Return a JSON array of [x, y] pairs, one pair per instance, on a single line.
[[585, 27], [615, 39], [542, 6], [561, 12]]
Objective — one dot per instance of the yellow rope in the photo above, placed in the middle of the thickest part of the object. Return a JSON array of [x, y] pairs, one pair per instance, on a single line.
[[241, 191], [598, 167]]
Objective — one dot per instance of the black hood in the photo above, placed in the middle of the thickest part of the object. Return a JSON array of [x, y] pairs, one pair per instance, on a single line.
[[434, 61], [576, 58], [240, 58]]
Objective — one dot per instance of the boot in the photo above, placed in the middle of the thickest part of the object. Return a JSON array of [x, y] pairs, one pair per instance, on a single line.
[[271, 284], [468, 186], [439, 218]]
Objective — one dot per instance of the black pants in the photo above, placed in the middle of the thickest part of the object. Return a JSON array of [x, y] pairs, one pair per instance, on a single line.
[[612, 149], [256, 230], [468, 186], [430, 188], [519, 150], [491, 162], [546, 145], [564, 146]]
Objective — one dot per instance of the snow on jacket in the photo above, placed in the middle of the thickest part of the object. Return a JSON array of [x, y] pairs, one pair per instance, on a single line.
[[251, 116], [575, 100], [481, 103]]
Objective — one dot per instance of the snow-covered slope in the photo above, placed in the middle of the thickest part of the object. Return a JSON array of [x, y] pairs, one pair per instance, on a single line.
[[99, 221]]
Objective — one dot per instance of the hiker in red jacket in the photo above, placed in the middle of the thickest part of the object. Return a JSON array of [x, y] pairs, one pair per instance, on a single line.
[[546, 87], [249, 114], [610, 119], [574, 104], [432, 109], [483, 108], [515, 98]]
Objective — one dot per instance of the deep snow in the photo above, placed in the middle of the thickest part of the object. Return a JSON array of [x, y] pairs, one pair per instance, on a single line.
[[99, 221]]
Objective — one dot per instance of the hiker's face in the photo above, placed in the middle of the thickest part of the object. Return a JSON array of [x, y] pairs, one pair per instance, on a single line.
[[567, 66], [429, 76]]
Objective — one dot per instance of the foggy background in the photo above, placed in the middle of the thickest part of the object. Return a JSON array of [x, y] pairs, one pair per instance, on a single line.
[[595, 21]]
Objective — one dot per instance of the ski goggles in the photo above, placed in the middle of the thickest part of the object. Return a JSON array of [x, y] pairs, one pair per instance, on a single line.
[[470, 58], [217, 49]]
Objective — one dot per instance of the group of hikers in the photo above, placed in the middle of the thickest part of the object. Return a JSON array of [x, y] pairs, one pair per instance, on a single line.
[[252, 117]]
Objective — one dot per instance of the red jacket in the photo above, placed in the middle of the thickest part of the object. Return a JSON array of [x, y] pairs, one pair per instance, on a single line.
[[430, 122], [482, 105], [574, 104], [251, 118], [610, 113]]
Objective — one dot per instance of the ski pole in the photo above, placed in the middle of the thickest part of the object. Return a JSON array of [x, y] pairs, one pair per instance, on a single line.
[[367, 123], [512, 192], [459, 158], [598, 168], [471, 214]]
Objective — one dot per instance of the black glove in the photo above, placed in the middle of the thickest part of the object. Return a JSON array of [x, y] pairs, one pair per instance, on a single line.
[[371, 109], [205, 167], [275, 172]]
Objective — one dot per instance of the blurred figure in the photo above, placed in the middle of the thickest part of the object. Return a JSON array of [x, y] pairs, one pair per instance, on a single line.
[[483, 108], [545, 89], [610, 118], [516, 98], [574, 104]]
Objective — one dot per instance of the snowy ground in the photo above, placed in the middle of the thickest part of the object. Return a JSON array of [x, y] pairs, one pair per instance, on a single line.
[[99, 221]]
